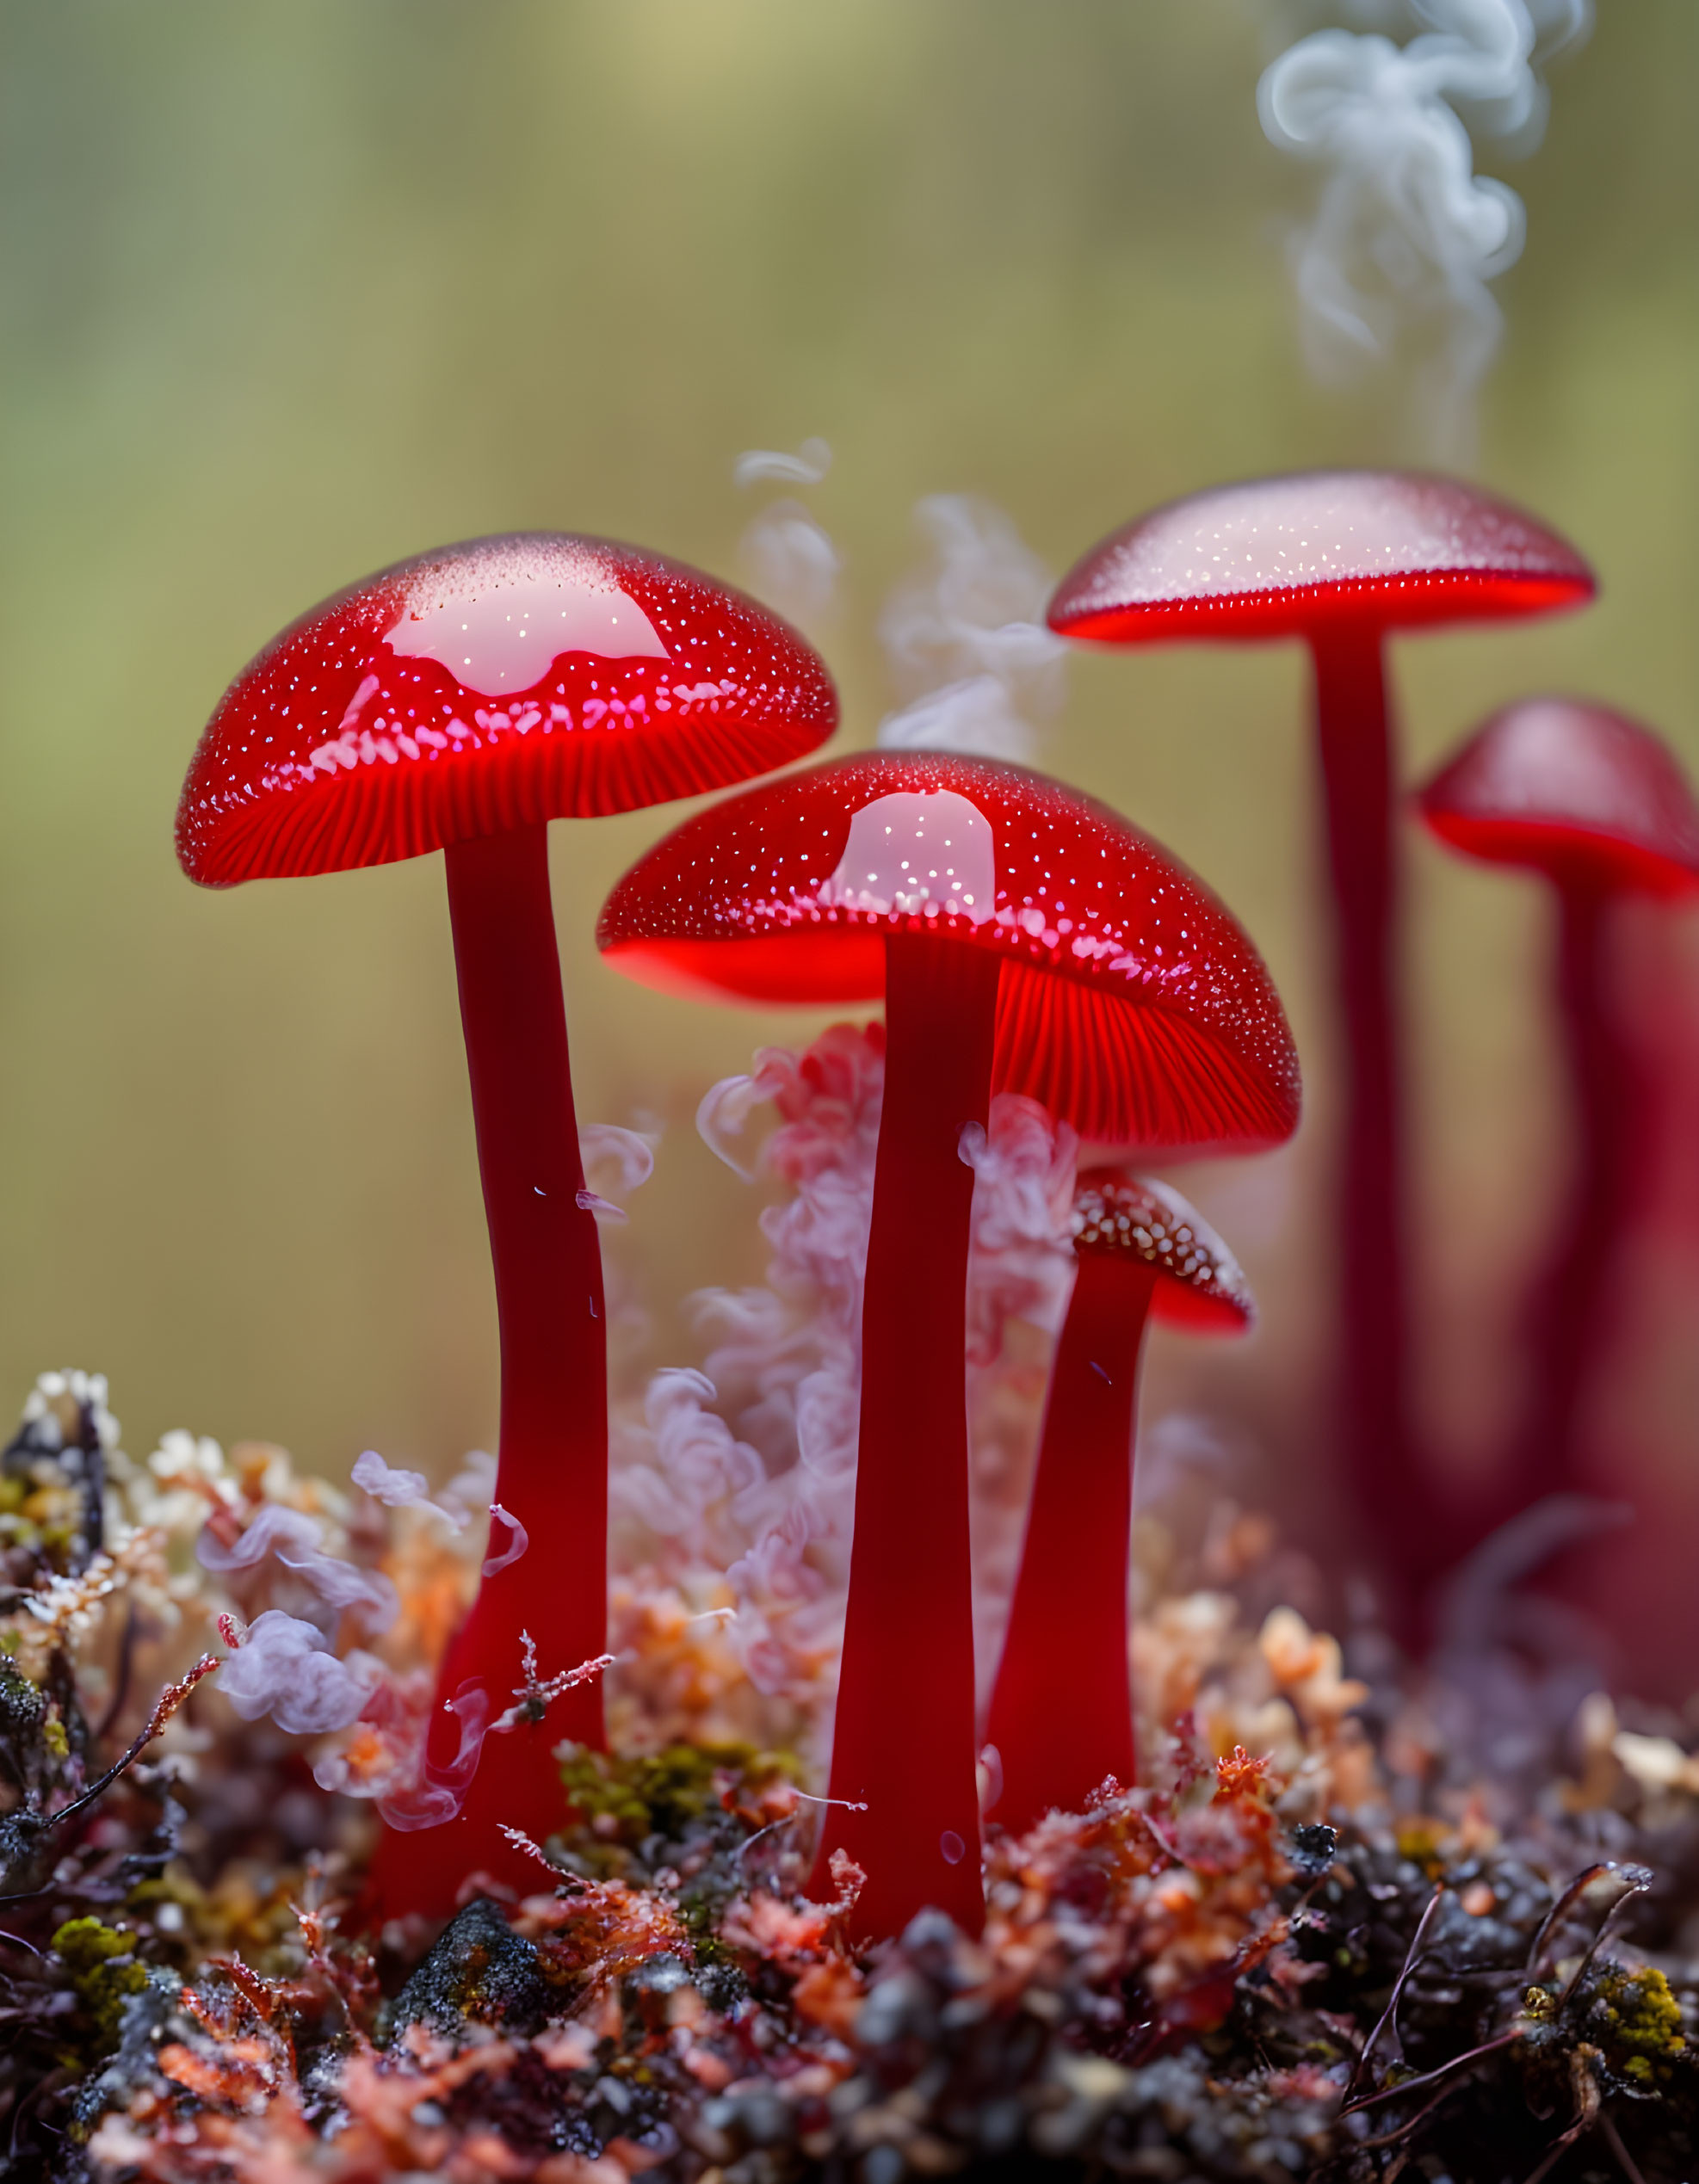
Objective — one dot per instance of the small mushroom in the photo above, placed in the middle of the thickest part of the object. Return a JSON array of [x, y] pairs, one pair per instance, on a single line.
[[459, 702], [1597, 804], [1339, 559], [1061, 1709], [1024, 938]]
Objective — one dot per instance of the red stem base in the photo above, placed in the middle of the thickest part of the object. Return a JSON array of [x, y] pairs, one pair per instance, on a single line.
[[551, 1473], [1061, 1712]]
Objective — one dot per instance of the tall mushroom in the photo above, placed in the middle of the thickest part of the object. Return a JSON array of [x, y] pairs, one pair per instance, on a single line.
[[459, 702], [1340, 558], [1024, 938], [1061, 1709], [1597, 804]]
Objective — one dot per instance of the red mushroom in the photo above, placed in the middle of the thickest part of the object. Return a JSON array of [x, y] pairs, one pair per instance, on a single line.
[[1596, 804], [1339, 559], [1024, 938], [1061, 1709], [459, 702]]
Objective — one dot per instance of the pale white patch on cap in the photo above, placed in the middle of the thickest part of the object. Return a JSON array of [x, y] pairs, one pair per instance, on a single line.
[[499, 633], [916, 852]]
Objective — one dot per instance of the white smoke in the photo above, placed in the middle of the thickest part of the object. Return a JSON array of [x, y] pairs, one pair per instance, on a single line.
[[283, 1668], [766, 1492], [748, 1466], [807, 466], [789, 560], [966, 640], [1407, 236], [283, 1550]]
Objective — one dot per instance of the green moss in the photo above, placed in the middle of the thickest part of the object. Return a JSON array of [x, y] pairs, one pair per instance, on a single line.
[[1641, 2026], [103, 1970], [85, 1944], [666, 1793]]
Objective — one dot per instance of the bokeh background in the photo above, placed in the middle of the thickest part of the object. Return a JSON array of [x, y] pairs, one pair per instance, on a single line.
[[289, 291]]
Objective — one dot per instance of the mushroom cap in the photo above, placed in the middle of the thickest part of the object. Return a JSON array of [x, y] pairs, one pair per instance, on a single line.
[[1280, 557], [487, 686], [1130, 1004], [1575, 791], [1199, 1283]]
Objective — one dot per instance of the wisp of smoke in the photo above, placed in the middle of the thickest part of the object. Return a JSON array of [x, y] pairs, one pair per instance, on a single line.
[[748, 1466], [807, 466], [1407, 236], [284, 1549], [967, 639], [790, 561], [283, 1668]]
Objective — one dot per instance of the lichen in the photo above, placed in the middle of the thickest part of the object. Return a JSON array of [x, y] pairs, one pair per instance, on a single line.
[[479, 1971], [104, 1974], [1641, 2024]]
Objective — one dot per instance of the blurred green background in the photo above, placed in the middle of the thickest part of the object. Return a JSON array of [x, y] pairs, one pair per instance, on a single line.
[[288, 292]]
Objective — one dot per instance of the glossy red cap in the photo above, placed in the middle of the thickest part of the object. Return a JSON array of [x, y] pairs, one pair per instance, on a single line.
[[1199, 1282], [1130, 1003], [488, 686], [1281, 557], [1583, 794]]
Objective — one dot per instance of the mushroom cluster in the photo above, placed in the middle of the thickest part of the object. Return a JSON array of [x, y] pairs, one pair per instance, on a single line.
[[1022, 938], [1340, 559]]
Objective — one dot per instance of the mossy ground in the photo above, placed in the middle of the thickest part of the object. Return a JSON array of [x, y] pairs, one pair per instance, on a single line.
[[1313, 1944], [1176, 1984]]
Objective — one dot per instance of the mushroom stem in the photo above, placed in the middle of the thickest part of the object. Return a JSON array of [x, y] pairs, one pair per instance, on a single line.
[[903, 1737], [1357, 776], [1061, 1712], [1567, 1330], [552, 1470]]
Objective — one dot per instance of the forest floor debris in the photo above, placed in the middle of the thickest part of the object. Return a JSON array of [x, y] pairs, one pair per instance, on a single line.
[[1309, 1945]]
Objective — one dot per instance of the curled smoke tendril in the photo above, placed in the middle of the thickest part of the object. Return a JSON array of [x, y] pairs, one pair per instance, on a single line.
[[976, 668], [789, 558], [1396, 263], [967, 640]]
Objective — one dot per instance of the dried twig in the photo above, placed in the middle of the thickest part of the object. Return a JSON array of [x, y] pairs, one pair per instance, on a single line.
[[1613, 2138], [29, 1827], [1639, 1880], [1435, 2076], [163, 1707], [1412, 2124], [1412, 1957], [520, 1841], [1587, 2111], [1565, 1904], [533, 1698]]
